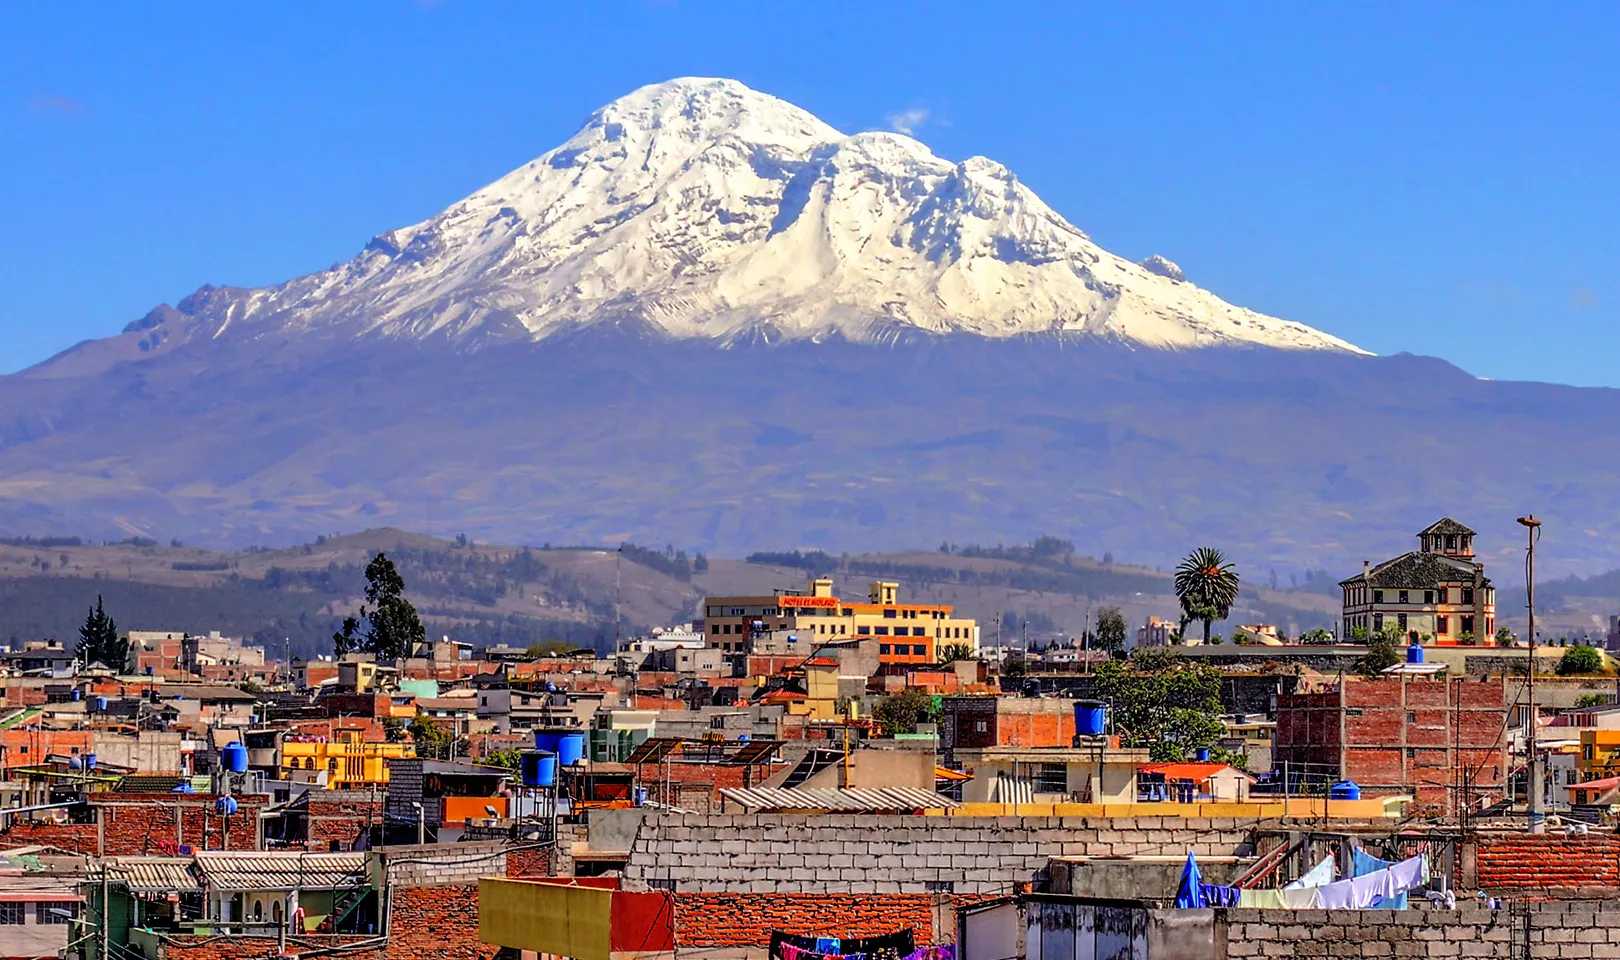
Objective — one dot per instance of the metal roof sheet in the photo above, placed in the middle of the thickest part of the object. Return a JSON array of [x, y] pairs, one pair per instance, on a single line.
[[848, 800], [281, 871], [153, 874]]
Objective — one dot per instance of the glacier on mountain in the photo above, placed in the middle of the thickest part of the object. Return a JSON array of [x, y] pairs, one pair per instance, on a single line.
[[703, 209]]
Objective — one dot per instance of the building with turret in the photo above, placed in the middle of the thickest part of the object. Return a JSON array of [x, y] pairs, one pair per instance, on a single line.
[[1435, 594]]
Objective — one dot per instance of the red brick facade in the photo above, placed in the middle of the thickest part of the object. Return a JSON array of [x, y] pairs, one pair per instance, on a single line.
[[1413, 735], [136, 823], [747, 919], [340, 820], [1529, 862]]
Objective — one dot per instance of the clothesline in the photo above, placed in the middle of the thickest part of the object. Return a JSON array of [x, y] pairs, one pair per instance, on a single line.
[[1372, 887]]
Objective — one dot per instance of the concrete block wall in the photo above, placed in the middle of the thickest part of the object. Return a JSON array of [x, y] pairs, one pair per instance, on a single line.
[[1576, 930], [443, 864], [898, 854]]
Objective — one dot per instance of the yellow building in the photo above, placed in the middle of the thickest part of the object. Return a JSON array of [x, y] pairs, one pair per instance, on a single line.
[[1600, 754], [906, 632], [348, 761]]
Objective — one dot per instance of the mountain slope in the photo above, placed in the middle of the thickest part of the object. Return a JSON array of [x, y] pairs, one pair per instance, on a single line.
[[703, 209]]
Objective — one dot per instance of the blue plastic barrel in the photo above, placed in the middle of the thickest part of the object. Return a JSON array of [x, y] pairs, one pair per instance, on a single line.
[[539, 768], [225, 805], [235, 758], [547, 740], [641, 796], [89, 761], [1414, 654], [1202, 754], [1345, 790], [76, 695], [101, 704], [1090, 718], [570, 749]]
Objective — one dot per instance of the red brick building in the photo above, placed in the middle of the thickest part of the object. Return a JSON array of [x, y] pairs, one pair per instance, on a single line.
[[1434, 737]]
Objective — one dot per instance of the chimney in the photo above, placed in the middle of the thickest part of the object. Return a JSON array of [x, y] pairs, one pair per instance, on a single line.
[[1366, 567]]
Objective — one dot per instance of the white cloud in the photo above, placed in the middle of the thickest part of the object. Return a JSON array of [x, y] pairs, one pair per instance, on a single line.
[[908, 121]]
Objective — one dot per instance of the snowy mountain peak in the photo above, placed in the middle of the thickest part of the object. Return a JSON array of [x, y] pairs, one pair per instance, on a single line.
[[700, 208]]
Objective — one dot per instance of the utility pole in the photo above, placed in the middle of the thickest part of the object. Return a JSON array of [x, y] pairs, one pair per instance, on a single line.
[[1532, 767]]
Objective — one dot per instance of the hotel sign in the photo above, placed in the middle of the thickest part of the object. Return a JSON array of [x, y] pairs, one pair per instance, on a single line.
[[809, 601]]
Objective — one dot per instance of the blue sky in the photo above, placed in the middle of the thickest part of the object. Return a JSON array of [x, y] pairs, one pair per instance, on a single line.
[[1439, 180]]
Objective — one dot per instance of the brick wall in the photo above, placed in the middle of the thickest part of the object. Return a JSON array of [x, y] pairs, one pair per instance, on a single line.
[[75, 837], [436, 923], [1580, 931], [529, 862], [341, 815], [1548, 862], [896, 854], [198, 947], [134, 824], [746, 920]]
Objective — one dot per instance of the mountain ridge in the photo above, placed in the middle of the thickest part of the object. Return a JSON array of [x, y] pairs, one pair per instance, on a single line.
[[708, 210]]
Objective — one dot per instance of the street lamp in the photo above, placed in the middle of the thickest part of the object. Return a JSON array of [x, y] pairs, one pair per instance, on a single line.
[[1533, 785]]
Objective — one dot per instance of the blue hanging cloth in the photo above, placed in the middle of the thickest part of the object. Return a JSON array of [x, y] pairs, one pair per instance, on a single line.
[[1190, 894], [1363, 864]]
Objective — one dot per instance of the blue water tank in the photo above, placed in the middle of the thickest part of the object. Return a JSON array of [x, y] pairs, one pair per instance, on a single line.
[[77, 695], [234, 757], [538, 768], [1090, 718], [184, 787], [89, 761], [641, 796], [571, 749], [225, 805], [1202, 754], [1414, 654], [1345, 790], [101, 704], [74, 763]]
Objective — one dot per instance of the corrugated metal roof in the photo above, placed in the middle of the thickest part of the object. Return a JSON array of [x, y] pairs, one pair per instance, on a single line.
[[153, 874], [849, 800], [281, 871]]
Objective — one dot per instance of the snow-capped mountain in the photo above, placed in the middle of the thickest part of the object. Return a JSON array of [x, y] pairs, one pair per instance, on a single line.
[[706, 210]]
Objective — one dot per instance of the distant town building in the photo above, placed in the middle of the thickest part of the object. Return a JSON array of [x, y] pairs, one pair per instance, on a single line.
[[906, 632], [1155, 632], [1437, 591]]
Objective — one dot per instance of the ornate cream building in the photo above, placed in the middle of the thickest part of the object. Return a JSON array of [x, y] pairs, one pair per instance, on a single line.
[[1437, 593]]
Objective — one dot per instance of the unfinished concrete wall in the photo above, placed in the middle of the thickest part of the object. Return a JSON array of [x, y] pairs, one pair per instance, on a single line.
[[1576, 930], [898, 854]]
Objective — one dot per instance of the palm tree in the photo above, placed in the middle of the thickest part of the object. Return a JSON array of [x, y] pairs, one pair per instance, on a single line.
[[1207, 586]]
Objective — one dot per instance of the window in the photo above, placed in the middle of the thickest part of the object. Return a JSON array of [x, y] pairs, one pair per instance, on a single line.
[[881, 631], [1378, 596], [1411, 753], [1404, 597], [1411, 717], [55, 912], [1051, 778], [1451, 541], [1442, 625], [918, 632], [883, 648], [863, 631], [1378, 621], [981, 726], [1402, 619], [1442, 594], [1428, 596], [890, 614], [11, 912], [1468, 595], [939, 886], [1467, 624]]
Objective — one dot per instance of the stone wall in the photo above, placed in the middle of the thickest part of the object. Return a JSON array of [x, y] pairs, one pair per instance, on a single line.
[[898, 854], [1574, 930]]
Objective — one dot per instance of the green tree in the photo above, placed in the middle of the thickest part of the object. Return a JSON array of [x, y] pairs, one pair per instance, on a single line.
[[901, 712], [1383, 651], [511, 759], [1207, 586], [99, 641], [1504, 637], [548, 648], [1163, 702], [393, 729], [1580, 659], [1316, 636], [1110, 630], [952, 652], [392, 628], [1591, 700], [432, 741]]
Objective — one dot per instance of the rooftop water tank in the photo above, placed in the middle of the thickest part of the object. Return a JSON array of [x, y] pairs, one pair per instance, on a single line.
[[1345, 790], [539, 768], [225, 805], [101, 704], [1414, 654], [1090, 718], [1202, 754], [234, 757]]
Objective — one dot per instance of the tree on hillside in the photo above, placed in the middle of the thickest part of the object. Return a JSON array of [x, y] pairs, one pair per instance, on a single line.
[[1207, 586], [99, 641], [1580, 659], [392, 628], [1110, 630], [1163, 702]]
